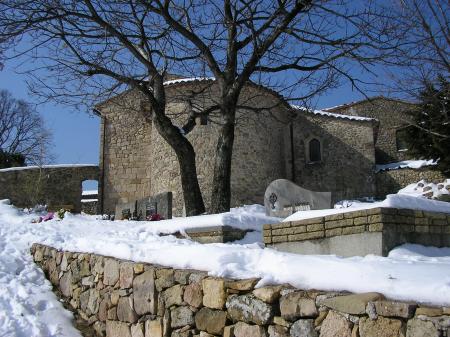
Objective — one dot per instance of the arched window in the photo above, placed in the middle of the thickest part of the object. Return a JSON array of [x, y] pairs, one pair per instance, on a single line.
[[315, 154]]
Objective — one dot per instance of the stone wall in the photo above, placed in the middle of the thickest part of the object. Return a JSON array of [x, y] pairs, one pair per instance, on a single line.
[[137, 161], [130, 299], [56, 186], [392, 181], [392, 115], [125, 152], [372, 231], [348, 156]]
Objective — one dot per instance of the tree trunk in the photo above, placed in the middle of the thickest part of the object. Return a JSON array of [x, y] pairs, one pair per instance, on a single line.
[[221, 194], [185, 153]]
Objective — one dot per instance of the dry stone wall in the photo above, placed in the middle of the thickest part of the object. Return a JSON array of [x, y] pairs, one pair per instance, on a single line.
[[131, 299], [55, 186], [392, 181]]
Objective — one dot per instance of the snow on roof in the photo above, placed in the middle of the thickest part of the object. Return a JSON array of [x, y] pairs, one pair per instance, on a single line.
[[370, 99], [190, 79], [330, 114], [414, 164], [21, 168]]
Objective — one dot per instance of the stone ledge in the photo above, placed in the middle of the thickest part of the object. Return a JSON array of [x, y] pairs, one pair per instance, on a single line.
[[397, 226]]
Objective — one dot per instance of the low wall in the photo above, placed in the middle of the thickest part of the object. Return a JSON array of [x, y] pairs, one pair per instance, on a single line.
[[53, 185], [131, 299], [372, 231], [390, 182]]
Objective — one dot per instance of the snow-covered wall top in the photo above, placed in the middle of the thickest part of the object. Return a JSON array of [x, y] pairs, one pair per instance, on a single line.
[[20, 168]]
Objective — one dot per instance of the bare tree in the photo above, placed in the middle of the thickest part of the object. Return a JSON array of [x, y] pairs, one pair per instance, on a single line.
[[22, 130], [298, 47], [423, 54]]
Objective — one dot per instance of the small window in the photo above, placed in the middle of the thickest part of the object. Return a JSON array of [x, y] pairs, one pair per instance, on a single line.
[[401, 140], [315, 154]]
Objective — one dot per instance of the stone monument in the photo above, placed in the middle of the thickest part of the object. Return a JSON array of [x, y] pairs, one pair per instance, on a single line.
[[283, 198]]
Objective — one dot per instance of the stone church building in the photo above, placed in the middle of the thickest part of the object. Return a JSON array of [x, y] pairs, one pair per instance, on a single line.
[[333, 150]]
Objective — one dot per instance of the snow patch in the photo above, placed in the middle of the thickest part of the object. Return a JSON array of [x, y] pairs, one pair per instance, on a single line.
[[391, 201], [414, 164]]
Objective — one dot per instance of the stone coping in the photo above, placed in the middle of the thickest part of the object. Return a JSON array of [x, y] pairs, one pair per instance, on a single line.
[[360, 221], [120, 298]]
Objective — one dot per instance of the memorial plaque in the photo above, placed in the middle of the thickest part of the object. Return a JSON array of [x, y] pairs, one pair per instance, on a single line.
[[283, 198], [150, 208], [126, 211], [158, 204]]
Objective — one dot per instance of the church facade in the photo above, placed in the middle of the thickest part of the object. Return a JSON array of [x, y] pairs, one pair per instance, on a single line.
[[333, 150]]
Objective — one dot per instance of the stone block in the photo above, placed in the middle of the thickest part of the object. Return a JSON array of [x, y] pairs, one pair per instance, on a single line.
[[193, 295], [111, 272], [280, 238], [65, 284], [181, 316], [126, 273], [242, 285], [144, 293], [337, 223], [181, 276], [212, 321], [278, 331], [154, 328], [315, 227], [360, 220], [268, 294], [125, 310], [165, 278], [173, 296], [429, 311], [137, 330], [353, 230], [303, 328], [333, 232], [117, 329], [249, 309], [351, 304], [420, 328], [395, 309], [381, 327], [336, 325], [214, 294], [216, 234], [296, 304], [242, 329]]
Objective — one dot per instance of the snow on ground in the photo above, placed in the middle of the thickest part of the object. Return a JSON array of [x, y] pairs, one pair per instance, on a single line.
[[392, 200], [29, 308], [414, 164]]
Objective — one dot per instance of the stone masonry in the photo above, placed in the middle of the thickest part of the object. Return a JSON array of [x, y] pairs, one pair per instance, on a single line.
[[56, 186], [136, 162], [393, 116], [371, 231], [130, 299]]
